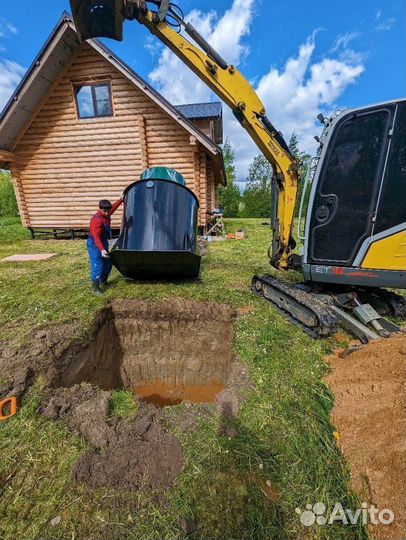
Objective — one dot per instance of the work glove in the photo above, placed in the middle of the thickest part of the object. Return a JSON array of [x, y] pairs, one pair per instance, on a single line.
[[105, 254]]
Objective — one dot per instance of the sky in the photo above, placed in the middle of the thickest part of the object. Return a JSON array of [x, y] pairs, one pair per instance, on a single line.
[[302, 57]]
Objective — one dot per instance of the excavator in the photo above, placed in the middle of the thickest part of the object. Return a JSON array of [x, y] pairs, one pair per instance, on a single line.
[[354, 238]]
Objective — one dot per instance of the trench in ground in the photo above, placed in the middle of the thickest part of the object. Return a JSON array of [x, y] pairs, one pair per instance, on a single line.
[[165, 352]]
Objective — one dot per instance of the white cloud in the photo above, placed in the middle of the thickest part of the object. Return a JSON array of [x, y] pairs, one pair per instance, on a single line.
[[383, 26], [296, 94], [152, 45], [10, 71], [7, 28], [344, 40], [386, 25], [293, 94], [225, 33], [10, 76], [11, 28]]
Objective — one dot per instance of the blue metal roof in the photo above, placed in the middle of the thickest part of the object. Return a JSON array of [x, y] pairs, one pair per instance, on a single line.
[[201, 110]]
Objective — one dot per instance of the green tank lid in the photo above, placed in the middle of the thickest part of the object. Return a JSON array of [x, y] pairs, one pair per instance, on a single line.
[[163, 173]]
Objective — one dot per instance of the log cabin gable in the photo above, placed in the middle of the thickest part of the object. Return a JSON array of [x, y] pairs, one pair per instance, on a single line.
[[53, 58], [207, 117], [62, 157]]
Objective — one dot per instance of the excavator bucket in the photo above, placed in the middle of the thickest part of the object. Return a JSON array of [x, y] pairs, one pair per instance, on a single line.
[[98, 18]]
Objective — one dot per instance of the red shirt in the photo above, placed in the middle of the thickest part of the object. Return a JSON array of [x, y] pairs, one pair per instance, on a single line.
[[98, 223]]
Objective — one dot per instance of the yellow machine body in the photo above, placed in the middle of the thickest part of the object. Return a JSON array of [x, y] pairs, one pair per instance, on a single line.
[[387, 254]]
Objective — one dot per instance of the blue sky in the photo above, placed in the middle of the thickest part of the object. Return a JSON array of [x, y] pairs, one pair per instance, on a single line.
[[302, 57]]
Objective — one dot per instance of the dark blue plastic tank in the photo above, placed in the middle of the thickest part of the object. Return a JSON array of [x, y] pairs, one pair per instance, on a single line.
[[158, 238]]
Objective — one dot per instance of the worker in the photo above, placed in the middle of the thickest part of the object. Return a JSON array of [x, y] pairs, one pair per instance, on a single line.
[[98, 244]]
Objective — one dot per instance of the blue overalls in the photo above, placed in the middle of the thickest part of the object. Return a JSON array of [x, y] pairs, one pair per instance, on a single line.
[[100, 267]]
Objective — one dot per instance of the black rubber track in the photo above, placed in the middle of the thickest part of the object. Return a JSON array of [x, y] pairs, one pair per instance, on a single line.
[[328, 322], [396, 302]]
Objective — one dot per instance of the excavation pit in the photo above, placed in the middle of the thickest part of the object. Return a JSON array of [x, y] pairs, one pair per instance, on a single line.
[[166, 352]]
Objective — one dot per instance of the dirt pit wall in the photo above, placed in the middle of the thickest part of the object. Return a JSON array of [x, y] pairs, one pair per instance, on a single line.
[[174, 345]]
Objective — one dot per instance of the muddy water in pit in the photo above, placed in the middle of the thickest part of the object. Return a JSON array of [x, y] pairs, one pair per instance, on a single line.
[[162, 393]]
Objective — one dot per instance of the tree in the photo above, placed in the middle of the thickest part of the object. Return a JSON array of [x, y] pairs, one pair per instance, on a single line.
[[257, 195], [229, 195], [8, 202], [304, 163]]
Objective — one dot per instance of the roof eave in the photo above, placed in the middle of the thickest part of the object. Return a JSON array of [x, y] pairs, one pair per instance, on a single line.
[[62, 20], [26, 98]]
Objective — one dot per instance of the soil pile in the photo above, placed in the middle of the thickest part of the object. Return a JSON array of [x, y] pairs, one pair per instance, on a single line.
[[170, 351], [20, 365], [146, 456], [126, 454], [369, 414]]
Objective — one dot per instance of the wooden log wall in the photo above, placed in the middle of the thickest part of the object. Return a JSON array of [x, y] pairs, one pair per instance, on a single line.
[[22, 204], [204, 125], [63, 166], [210, 128], [203, 187], [211, 187]]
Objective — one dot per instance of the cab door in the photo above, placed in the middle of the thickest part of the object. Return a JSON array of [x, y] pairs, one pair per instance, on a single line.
[[344, 204], [391, 211]]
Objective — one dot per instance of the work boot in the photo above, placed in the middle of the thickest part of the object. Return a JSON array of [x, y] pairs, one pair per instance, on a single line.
[[96, 287], [103, 281]]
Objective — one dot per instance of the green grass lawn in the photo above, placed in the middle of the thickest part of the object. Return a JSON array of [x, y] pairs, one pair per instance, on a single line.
[[284, 429]]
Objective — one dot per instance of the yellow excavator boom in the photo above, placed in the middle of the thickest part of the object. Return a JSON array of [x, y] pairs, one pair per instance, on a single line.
[[225, 80], [234, 89]]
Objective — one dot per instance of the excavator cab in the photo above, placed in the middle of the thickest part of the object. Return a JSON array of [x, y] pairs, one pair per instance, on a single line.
[[354, 245], [356, 218]]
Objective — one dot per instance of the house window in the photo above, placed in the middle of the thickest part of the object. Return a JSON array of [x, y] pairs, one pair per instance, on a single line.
[[93, 100]]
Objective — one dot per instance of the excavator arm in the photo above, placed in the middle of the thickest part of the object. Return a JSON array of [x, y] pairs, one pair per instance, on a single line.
[[229, 85]]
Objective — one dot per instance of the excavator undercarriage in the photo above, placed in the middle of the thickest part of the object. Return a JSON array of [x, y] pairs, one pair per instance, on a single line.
[[319, 310]]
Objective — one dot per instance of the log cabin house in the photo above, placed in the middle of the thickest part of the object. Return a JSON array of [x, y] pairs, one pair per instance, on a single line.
[[82, 125]]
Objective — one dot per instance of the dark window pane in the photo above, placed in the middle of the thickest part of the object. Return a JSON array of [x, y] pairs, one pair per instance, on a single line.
[[85, 101], [355, 155], [344, 205], [102, 98], [392, 206], [104, 108]]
